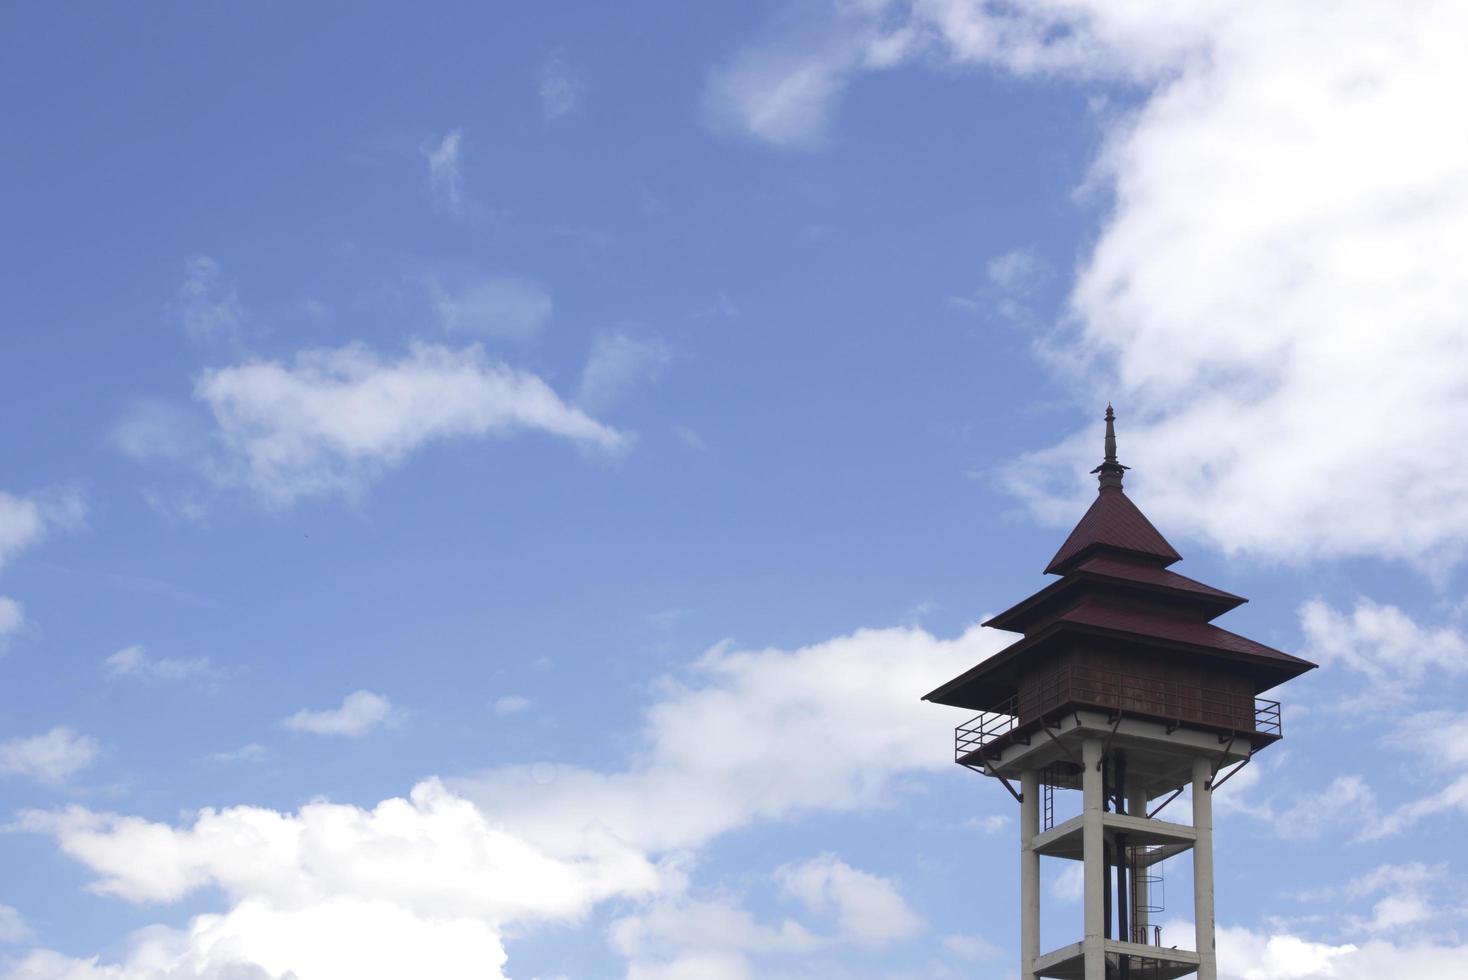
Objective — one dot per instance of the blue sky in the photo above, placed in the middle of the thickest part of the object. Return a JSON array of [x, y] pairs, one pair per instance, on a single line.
[[485, 488]]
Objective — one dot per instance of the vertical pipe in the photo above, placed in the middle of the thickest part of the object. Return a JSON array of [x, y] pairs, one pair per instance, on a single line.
[[1203, 868], [1123, 906], [1137, 806], [1029, 874], [1093, 838]]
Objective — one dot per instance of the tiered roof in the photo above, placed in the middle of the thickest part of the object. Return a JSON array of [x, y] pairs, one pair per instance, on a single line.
[[1115, 586]]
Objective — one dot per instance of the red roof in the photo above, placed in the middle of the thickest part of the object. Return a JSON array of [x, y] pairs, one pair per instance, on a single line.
[[1152, 575], [1121, 575], [1148, 623], [1113, 522]]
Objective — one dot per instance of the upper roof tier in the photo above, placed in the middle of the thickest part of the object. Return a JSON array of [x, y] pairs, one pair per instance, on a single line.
[[1113, 523]]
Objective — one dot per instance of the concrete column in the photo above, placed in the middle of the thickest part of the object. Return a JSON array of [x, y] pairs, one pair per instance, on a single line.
[[1136, 806], [1203, 868], [1029, 874], [1093, 839]]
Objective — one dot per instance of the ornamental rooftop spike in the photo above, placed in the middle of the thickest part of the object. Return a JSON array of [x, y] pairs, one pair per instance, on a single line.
[[1110, 470]]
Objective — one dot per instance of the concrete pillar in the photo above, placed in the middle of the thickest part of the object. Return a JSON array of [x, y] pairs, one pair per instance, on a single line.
[[1136, 806], [1093, 839], [1029, 874], [1203, 868]]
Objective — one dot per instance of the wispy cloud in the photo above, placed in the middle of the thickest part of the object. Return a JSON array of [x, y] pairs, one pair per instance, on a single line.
[[512, 704], [445, 180], [13, 928], [499, 307], [560, 89], [619, 362], [206, 305], [360, 713], [332, 420], [133, 661], [50, 757]]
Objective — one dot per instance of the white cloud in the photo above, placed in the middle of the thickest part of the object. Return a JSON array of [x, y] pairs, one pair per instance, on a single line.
[[501, 307], [991, 824], [26, 521], [677, 936], [133, 661], [971, 948], [560, 90], [153, 429], [715, 750], [1347, 800], [1070, 886], [207, 308], [51, 757], [868, 909], [548, 843], [413, 887], [617, 363], [13, 928], [511, 704], [444, 177], [1281, 323], [250, 752], [1380, 641], [360, 713], [12, 617], [333, 419], [1247, 955]]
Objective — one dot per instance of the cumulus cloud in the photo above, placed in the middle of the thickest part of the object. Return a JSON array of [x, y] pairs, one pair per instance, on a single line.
[[444, 178], [617, 364], [1244, 954], [715, 750], [500, 307], [421, 886], [332, 419], [51, 757], [360, 713], [548, 843], [133, 661], [1288, 345], [676, 937]]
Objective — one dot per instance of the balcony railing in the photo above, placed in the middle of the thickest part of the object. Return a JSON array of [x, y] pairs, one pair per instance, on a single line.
[[1159, 698], [979, 731]]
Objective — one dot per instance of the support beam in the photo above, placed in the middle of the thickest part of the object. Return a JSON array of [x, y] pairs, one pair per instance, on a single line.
[[1203, 869], [1029, 874], [1094, 842]]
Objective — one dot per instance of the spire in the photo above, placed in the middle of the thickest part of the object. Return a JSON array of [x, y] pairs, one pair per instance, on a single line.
[[1110, 470]]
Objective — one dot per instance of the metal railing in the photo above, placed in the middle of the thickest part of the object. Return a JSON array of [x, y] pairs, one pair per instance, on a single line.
[[1267, 719], [1160, 698], [1147, 935], [980, 730]]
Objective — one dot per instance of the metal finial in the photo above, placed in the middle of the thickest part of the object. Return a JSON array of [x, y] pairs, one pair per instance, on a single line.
[[1110, 470]]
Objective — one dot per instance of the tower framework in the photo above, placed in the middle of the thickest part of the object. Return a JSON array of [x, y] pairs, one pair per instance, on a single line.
[[1124, 689]]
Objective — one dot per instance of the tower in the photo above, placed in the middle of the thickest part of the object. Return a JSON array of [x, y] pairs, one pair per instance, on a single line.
[[1124, 689]]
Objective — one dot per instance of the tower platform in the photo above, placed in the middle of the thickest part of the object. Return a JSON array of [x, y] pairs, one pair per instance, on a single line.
[[1149, 962]]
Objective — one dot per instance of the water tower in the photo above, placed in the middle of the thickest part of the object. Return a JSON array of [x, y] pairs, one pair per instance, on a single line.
[[1123, 688]]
